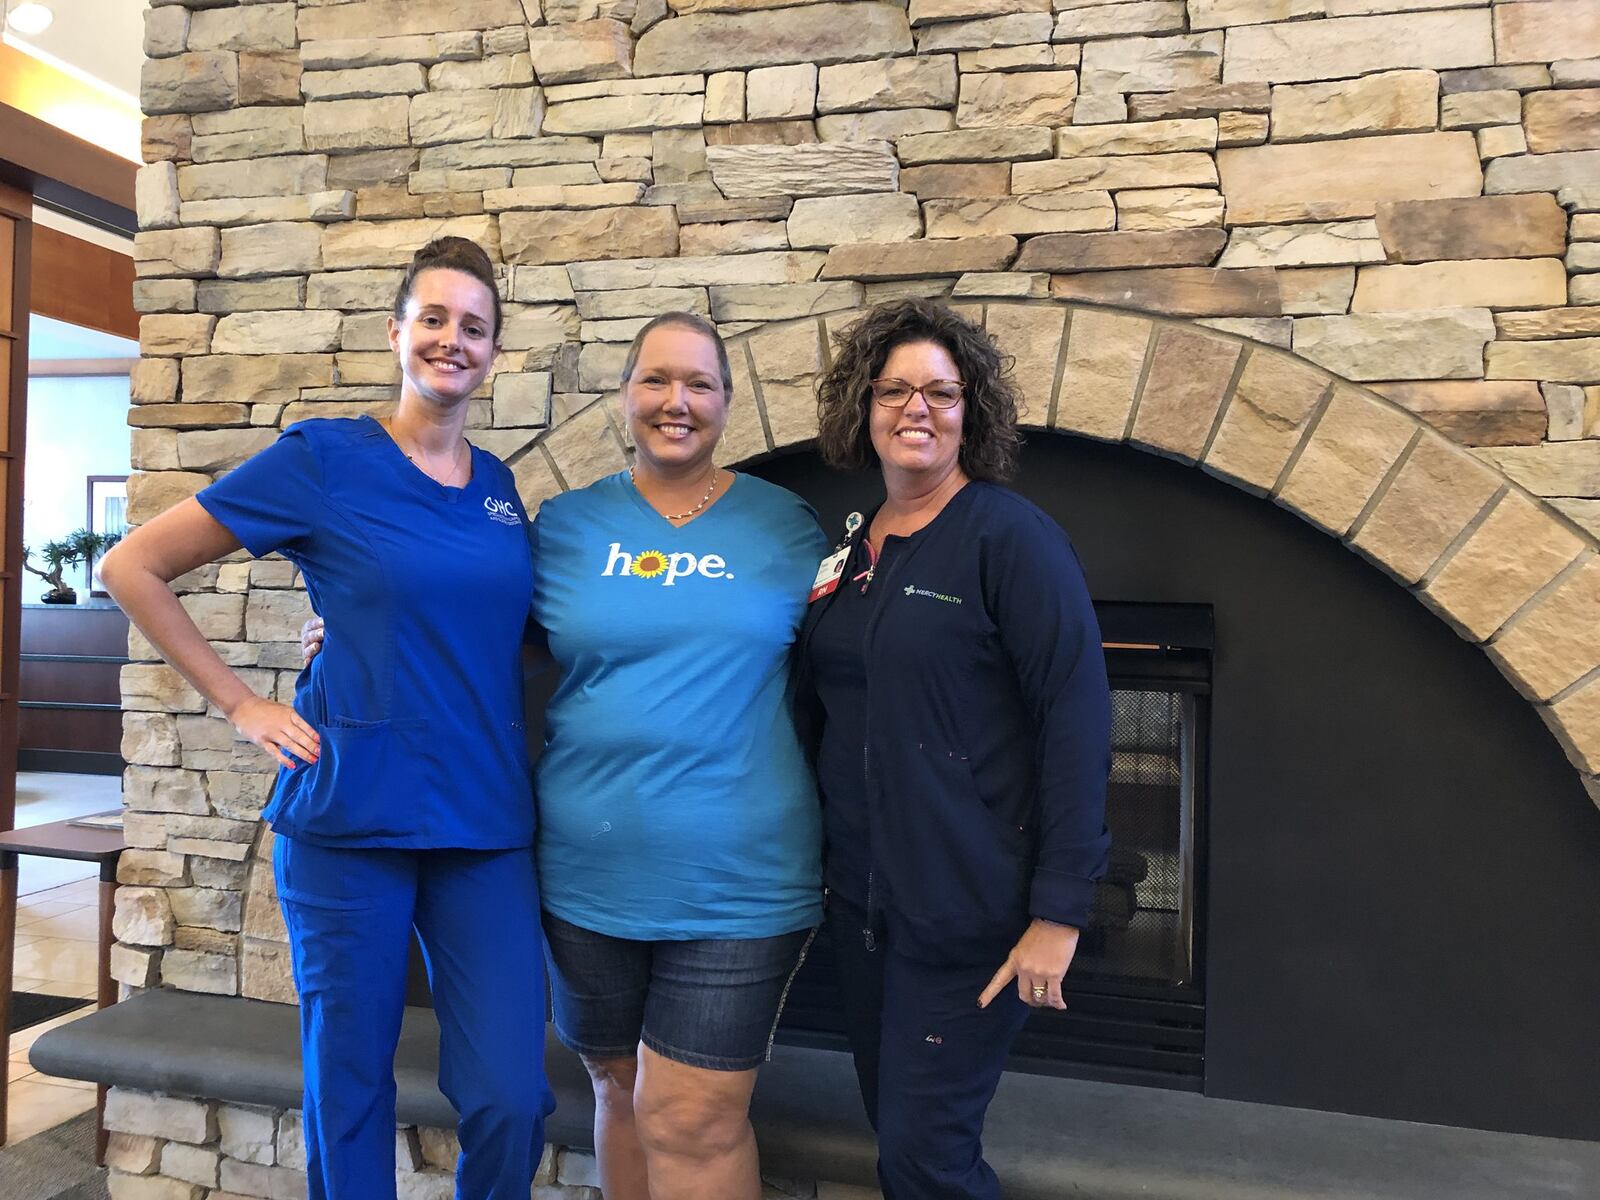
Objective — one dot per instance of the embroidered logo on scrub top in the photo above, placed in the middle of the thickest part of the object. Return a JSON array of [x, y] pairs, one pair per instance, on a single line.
[[502, 511], [913, 590], [668, 568]]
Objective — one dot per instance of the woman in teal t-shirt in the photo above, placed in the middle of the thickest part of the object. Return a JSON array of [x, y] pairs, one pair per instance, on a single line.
[[679, 832]]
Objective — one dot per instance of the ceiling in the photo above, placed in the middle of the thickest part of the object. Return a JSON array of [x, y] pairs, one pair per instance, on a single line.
[[102, 40], [56, 340]]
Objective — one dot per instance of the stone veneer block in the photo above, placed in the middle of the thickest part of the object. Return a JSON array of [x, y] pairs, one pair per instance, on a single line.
[[815, 33], [399, 18], [1434, 497], [817, 169], [495, 113], [1330, 244], [921, 82], [1544, 172], [1100, 373], [908, 260], [1139, 137], [256, 27], [190, 83], [1168, 208], [624, 113], [278, 248], [1017, 98], [1068, 212], [782, 301], [772, 267], [1201, 100], [1115, 173], [1177, 291], [1273, 403], [1551, 323], [1030, 30], [926, 12], [292, 175], [1485, 283], [993, 144], [888, 126], [581, 52], [1555, 641], [787, 362], [259, 379], [1436, 344], [1139, 16], [406, 78], [1031, 334], [1152, 64], [1475, 412], [781, 93], [1546, 30], [1187, 380], [1568, 360], [342, 54], [818, 223], [1351, 450], [1217, 14], [1568, 119], [585, 448], [392, 243], [1576, 723], [1341, 47], [189, 253], [956, 181], [1389, 102], [1516, 226], [1109, 251], [277, 333], [1320, 181], [172, 1117], [1518, 549]]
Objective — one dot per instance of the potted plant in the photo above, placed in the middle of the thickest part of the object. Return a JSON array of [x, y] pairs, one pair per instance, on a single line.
[[80, 546]]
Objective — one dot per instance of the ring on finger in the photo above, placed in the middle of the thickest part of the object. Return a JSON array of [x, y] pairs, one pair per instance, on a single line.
[[1039, 992]]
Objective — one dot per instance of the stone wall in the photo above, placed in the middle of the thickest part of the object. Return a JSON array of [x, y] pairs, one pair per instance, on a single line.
[[1363, 244]]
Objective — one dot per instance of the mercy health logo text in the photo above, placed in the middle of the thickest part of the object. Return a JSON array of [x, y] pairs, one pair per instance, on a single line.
[[503, 511], [653, 564], [913, 590]]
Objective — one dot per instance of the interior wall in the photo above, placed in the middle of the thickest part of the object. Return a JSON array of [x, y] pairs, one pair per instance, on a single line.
[[1399, 918], [77, 427]]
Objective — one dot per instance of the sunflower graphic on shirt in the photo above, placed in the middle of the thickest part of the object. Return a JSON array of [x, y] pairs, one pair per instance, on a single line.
[[649, 564]]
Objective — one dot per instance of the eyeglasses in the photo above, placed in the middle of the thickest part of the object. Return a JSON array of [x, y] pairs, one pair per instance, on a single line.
[[937, 393]]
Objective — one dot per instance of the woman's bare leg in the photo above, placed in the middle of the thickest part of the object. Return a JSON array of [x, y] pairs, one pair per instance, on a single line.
[[617, 1151], [694, 1125]]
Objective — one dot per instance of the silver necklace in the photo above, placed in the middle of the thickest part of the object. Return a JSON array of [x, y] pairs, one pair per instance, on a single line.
[[683, 516], [422, 465]]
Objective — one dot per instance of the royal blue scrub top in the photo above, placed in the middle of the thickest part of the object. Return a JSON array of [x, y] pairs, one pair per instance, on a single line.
[[426, 590]]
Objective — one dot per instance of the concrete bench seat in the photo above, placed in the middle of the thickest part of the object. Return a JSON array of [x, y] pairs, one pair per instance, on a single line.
[[1048, 1138]]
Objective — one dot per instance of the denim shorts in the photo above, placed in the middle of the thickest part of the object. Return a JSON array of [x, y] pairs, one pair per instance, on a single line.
[[710, 1003]]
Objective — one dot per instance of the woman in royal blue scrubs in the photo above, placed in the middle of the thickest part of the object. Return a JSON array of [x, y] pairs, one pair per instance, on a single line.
[[403, 798]]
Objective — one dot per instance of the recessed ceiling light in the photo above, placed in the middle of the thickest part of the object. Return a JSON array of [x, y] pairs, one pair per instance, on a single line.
[[30, 18]]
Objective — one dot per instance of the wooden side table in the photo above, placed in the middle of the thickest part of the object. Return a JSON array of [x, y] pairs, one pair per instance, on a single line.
[[60, 839]]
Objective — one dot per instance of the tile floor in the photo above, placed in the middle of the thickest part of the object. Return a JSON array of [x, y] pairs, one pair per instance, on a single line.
[[57, 926]]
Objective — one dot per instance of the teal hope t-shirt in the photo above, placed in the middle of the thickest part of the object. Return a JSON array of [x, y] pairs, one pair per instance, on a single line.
[[674, 799]]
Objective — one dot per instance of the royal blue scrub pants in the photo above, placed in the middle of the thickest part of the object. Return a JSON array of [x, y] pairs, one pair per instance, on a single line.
[[350, 913], [927, 1057]]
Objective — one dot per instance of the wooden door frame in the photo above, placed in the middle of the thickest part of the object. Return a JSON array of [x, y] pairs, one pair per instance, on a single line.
[[16, 204]]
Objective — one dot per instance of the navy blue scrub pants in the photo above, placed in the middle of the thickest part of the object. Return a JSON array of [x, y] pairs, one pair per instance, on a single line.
[[350, 913], [927, 1057]]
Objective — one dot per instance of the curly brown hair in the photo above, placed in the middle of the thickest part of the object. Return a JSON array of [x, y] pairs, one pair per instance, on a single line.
[[989, 437]]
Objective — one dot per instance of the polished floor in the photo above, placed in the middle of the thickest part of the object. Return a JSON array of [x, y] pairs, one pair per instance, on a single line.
[[57, 924]]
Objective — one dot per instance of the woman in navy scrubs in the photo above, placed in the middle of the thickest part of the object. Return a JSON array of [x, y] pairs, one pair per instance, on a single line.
[[403, 798], [964, 741]]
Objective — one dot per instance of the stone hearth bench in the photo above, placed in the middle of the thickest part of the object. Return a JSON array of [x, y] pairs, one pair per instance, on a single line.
[[1048, 1137]]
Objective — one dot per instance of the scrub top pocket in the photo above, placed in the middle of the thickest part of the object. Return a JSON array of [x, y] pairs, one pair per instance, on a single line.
[[358, 788]]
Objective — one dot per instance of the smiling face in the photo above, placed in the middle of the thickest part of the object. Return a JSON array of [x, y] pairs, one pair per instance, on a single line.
[[446, 341], [918, 440], [674, 400]]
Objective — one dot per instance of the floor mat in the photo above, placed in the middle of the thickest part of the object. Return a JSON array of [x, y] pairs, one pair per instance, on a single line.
[[30, 1008], [57, 1164]]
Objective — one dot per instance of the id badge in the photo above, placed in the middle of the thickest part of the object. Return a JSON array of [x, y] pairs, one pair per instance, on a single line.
[[828, 575]]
